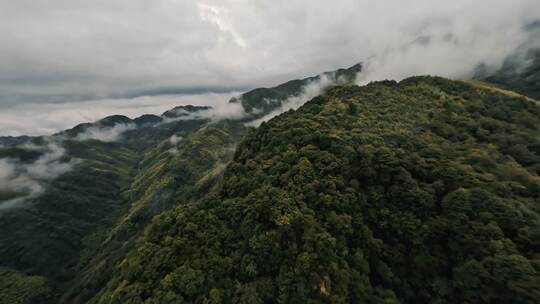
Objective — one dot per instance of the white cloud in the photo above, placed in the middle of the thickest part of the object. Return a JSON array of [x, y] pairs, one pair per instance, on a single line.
[[68, 50], [451, 41], [48, 118], [49, 166], [309, 91], [218, 111], [106, 134], [26, 179], [173, 151], [175, 139]]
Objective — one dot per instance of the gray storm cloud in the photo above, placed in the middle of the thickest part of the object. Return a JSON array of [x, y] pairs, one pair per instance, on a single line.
[[64, 51], [97, 48]]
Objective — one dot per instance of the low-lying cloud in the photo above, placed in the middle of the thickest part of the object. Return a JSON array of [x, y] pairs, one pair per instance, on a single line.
[[106, 134], [217, 112], [49, 118], [26, 180], [308, 92], [174, 140]]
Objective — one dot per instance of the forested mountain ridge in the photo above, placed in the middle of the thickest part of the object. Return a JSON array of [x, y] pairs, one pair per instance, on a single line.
[[423, 191], [65, 238], [426, 190]]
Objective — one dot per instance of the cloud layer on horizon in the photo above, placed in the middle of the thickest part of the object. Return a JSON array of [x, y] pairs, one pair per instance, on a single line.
[[98, 48], [65, 51], [48, 118]]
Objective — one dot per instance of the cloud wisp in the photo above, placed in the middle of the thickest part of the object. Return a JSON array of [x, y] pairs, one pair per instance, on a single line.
[[174, 140], [308, 92], [216, 112], [25, 181], [65, 62]]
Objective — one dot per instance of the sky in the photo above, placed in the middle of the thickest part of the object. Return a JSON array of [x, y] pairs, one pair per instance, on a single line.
[[68, 61]]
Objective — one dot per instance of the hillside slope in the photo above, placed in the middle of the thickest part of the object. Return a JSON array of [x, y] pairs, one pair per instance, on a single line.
[[51, 232], [111, 177], [45, 234], [421, 191]]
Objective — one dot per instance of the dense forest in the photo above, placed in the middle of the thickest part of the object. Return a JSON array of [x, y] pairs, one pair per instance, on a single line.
[[420, 191], [90, 216], [427, 190], [67, 238], [270, 152]]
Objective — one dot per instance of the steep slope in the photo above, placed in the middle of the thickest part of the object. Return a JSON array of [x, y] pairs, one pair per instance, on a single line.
[[172, 173], [18, 288], [44, 235], [51, 233], [169, 176], [421, 191], [117, 174]]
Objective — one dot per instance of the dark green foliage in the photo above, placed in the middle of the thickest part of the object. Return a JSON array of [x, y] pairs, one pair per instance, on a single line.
[[79, 230], [184, 110], [165, 179], [423, 191], [21, 154], [147, 119], [45, 236], [18, 288]]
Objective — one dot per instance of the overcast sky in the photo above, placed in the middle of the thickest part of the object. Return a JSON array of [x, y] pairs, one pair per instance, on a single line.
[[64, 51]]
